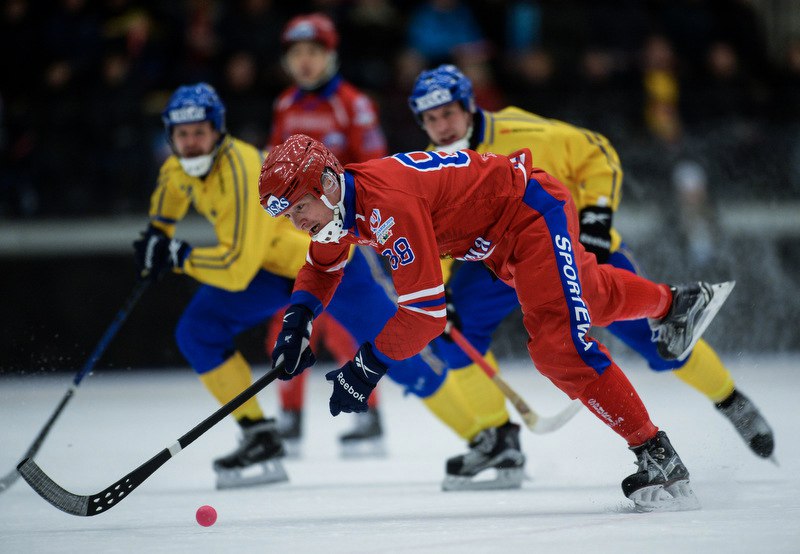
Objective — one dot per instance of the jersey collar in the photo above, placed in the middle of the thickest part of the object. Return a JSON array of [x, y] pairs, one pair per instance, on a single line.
[[325, 90], [478, 129], [349, 201]]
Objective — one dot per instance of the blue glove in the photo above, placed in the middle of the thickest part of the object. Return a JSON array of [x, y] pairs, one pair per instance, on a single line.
[[156, 254], [292, 347], [354, 382]]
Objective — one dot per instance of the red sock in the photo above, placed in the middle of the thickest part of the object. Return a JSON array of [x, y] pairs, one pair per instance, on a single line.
[[642, 297], [291, 392], [616, 403], [372, 401]]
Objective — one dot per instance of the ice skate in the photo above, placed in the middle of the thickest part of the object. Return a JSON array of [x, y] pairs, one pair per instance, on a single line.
[[494, 461], [662, 482], [693, 308], [256, 461], [749, 423], [366, 438], [290, 428]]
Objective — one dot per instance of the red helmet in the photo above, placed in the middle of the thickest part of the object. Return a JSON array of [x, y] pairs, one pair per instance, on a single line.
[[316, 27], [292, 170]]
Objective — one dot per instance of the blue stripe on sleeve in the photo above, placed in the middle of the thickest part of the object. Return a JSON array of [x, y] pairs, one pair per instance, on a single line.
[[308, 300]]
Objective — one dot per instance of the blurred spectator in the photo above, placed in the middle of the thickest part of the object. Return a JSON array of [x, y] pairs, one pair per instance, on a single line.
[[200, 40], [136, 33], [696, 217], [249, 110], [536, 84], [120, 161], [403, 134], [487, 94], [254, 26], [661, 90], [440, 29], [686, 73], [370, 23], [723, 94]]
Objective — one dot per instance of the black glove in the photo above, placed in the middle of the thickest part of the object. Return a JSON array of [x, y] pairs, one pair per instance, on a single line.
[[453, 319], [596, 231], [292, 347], [354, 381], [156, 253]]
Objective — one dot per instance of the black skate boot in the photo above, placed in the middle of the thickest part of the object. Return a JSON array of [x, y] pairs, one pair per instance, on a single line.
[[693, 308], [662, 482], [749, 423], [290, 428], [495, 448], [366, 438], [257, 459]]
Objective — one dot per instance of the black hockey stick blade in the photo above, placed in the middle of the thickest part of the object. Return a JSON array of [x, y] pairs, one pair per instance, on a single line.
[[88, 505], [93, 504]]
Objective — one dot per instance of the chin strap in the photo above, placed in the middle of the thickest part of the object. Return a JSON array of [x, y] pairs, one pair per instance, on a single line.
[[457, 145], [333, 230]]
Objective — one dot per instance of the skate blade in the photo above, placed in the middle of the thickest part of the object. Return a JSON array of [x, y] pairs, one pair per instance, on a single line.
[[366, 448], [507, 478], [720, 293], [264, 473], [676, 497]]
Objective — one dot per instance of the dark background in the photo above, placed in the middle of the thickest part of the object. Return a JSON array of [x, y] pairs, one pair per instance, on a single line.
[[704, 88]]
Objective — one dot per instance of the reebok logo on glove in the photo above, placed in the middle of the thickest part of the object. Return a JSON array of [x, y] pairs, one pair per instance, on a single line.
[[360, 363], [348, 388]]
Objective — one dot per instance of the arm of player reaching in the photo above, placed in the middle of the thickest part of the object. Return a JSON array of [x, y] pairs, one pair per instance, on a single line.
[[414, 259], [320, 276]]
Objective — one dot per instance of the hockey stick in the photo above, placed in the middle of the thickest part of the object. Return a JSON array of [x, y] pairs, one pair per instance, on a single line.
[[533, 421], [93, 504], [112, 329]]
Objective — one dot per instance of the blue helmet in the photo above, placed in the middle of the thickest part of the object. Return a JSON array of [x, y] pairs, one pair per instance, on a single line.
[[192, 104], [441, 86]]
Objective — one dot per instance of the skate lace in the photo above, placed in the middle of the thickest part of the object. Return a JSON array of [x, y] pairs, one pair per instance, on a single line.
[[652, 462]]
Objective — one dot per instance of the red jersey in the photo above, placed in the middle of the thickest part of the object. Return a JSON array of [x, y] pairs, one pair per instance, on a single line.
[[339, 115], [414, 208]]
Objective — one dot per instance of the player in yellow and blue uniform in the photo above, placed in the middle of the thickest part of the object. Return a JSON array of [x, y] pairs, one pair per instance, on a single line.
[[443, 102], [247, 276]]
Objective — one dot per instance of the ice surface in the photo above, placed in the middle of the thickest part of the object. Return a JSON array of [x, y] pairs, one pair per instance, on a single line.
[[572, 502]]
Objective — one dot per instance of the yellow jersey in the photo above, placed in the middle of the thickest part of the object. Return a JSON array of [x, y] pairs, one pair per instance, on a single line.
[[248, 239], [584, 161]]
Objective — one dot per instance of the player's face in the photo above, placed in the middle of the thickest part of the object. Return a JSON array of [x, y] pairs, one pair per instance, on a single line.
[[194, 139], [307, 63], [309, 214], [446, 124]]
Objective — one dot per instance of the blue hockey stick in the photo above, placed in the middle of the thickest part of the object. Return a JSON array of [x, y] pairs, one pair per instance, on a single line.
[[87, 368]]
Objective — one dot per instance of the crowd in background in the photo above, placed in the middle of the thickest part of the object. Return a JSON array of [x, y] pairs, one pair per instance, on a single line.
[[685, 89]]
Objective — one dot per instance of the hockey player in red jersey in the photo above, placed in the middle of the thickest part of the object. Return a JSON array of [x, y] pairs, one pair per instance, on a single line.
[[324, 106], [416, 207]]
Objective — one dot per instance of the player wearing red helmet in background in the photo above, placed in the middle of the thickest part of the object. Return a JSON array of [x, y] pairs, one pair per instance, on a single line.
[[324, 106], [522, 223]]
